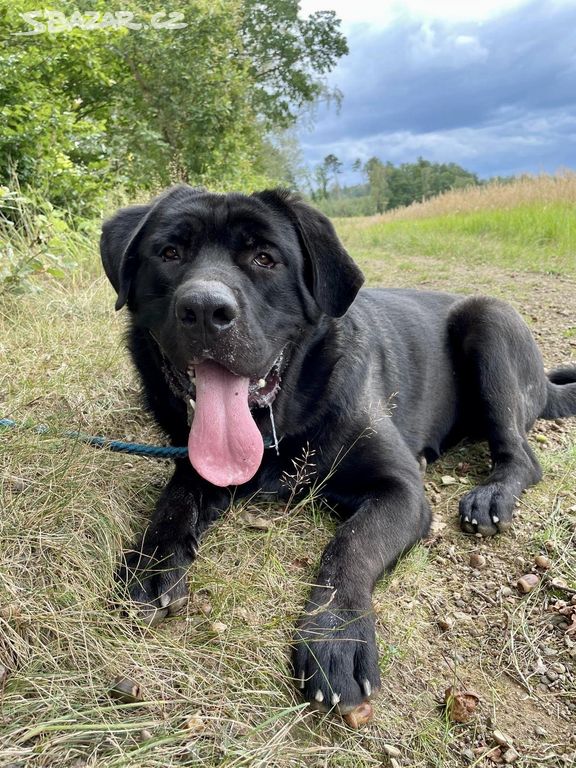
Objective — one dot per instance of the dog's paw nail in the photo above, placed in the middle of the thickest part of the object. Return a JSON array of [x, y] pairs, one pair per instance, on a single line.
[[335, 698], [319, 696], [495, 519], [367, 687], [164, 600], [474, 521], [466, 519]]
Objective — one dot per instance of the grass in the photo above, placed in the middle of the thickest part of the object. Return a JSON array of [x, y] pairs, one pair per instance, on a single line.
[[528, 225], [224, 698]]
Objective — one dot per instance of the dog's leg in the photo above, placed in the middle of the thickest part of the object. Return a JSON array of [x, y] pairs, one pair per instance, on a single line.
[[154, 571], [335, 655], [503, 371]]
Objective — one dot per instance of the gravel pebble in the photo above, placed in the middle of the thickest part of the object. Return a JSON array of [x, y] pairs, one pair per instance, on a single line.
[[391, 751], [527, 582], [502, 738], [510, 756], [542, 562], [445, 623], [477, 560]]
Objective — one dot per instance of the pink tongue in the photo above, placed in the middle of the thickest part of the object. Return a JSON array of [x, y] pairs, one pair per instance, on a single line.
[[225, 445]]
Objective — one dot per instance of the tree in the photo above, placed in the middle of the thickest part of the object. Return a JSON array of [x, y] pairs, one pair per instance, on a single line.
[[286, 54], [378, 183], [328, 170], [85, 110]]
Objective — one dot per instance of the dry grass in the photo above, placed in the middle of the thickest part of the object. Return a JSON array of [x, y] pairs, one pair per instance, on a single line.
[[543, 189], [67, 509]]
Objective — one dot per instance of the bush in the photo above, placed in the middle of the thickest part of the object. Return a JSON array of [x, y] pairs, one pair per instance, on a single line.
[[36, 240]]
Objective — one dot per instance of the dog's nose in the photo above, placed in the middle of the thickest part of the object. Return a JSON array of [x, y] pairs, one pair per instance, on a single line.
[[206, 308]]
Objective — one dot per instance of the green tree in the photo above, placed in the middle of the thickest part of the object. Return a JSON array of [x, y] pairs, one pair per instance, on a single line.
[[327, 171], [85, 110], [377, 175], [287, 55]]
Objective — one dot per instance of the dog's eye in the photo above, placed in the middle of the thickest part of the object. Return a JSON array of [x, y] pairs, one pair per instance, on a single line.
[[170, 254], [263, 259]]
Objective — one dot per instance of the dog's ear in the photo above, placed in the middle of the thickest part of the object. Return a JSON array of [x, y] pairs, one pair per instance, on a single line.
[[336, 279], [121, 236], [118, 247]]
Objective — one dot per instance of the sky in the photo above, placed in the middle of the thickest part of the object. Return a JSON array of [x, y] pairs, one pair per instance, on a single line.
[[487, 84]]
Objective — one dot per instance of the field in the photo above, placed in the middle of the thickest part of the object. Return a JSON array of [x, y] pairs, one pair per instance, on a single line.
[[215, 686]]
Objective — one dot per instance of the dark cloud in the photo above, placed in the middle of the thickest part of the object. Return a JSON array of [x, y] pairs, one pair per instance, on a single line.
[[497, 96]]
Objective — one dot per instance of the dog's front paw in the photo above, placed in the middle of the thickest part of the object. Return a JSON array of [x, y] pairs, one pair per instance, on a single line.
[[335, 657], [487, 509], [153, 578]]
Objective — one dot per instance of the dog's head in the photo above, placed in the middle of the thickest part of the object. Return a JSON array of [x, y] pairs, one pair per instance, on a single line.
[[227, 284]]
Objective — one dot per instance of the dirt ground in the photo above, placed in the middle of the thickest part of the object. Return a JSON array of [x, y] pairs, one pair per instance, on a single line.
[[516, 651]]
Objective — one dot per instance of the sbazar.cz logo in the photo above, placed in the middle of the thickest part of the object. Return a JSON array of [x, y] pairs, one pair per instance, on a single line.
[[56, 21]]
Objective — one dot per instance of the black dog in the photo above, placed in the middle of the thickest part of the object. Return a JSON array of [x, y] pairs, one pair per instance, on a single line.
[[248, 330]]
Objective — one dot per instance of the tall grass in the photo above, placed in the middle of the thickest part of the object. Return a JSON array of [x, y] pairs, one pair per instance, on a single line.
[[530, 223], [539, 191]]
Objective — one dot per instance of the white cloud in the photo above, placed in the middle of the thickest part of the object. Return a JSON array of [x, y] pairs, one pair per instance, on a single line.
[[385, 12], [429, 45]]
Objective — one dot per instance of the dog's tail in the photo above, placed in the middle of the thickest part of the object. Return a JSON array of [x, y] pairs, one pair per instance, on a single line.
[[561, 388]]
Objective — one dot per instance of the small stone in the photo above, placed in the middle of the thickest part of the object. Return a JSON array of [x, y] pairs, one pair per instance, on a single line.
[[494, 755], [218, 627], [490, 586], [550, 545], [195, 723], [257, 522], [542, 562], [502, 738], [359, 716], [510, 756], [539, 731], [477, 560], [558, 582], [445, 623], [205, 607], [460, 705], [559, 668], [145, 734], [539, 667], [505, 591], [449, 480], [548, 651], [541, 439], [551, 675], [528, 582], [391, 751], [126, 690], [469, 755]]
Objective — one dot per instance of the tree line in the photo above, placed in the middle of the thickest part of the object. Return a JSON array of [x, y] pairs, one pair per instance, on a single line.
[[384, 186]]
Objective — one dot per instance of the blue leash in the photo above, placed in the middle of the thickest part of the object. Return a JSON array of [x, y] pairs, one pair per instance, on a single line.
[[119, 446]]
